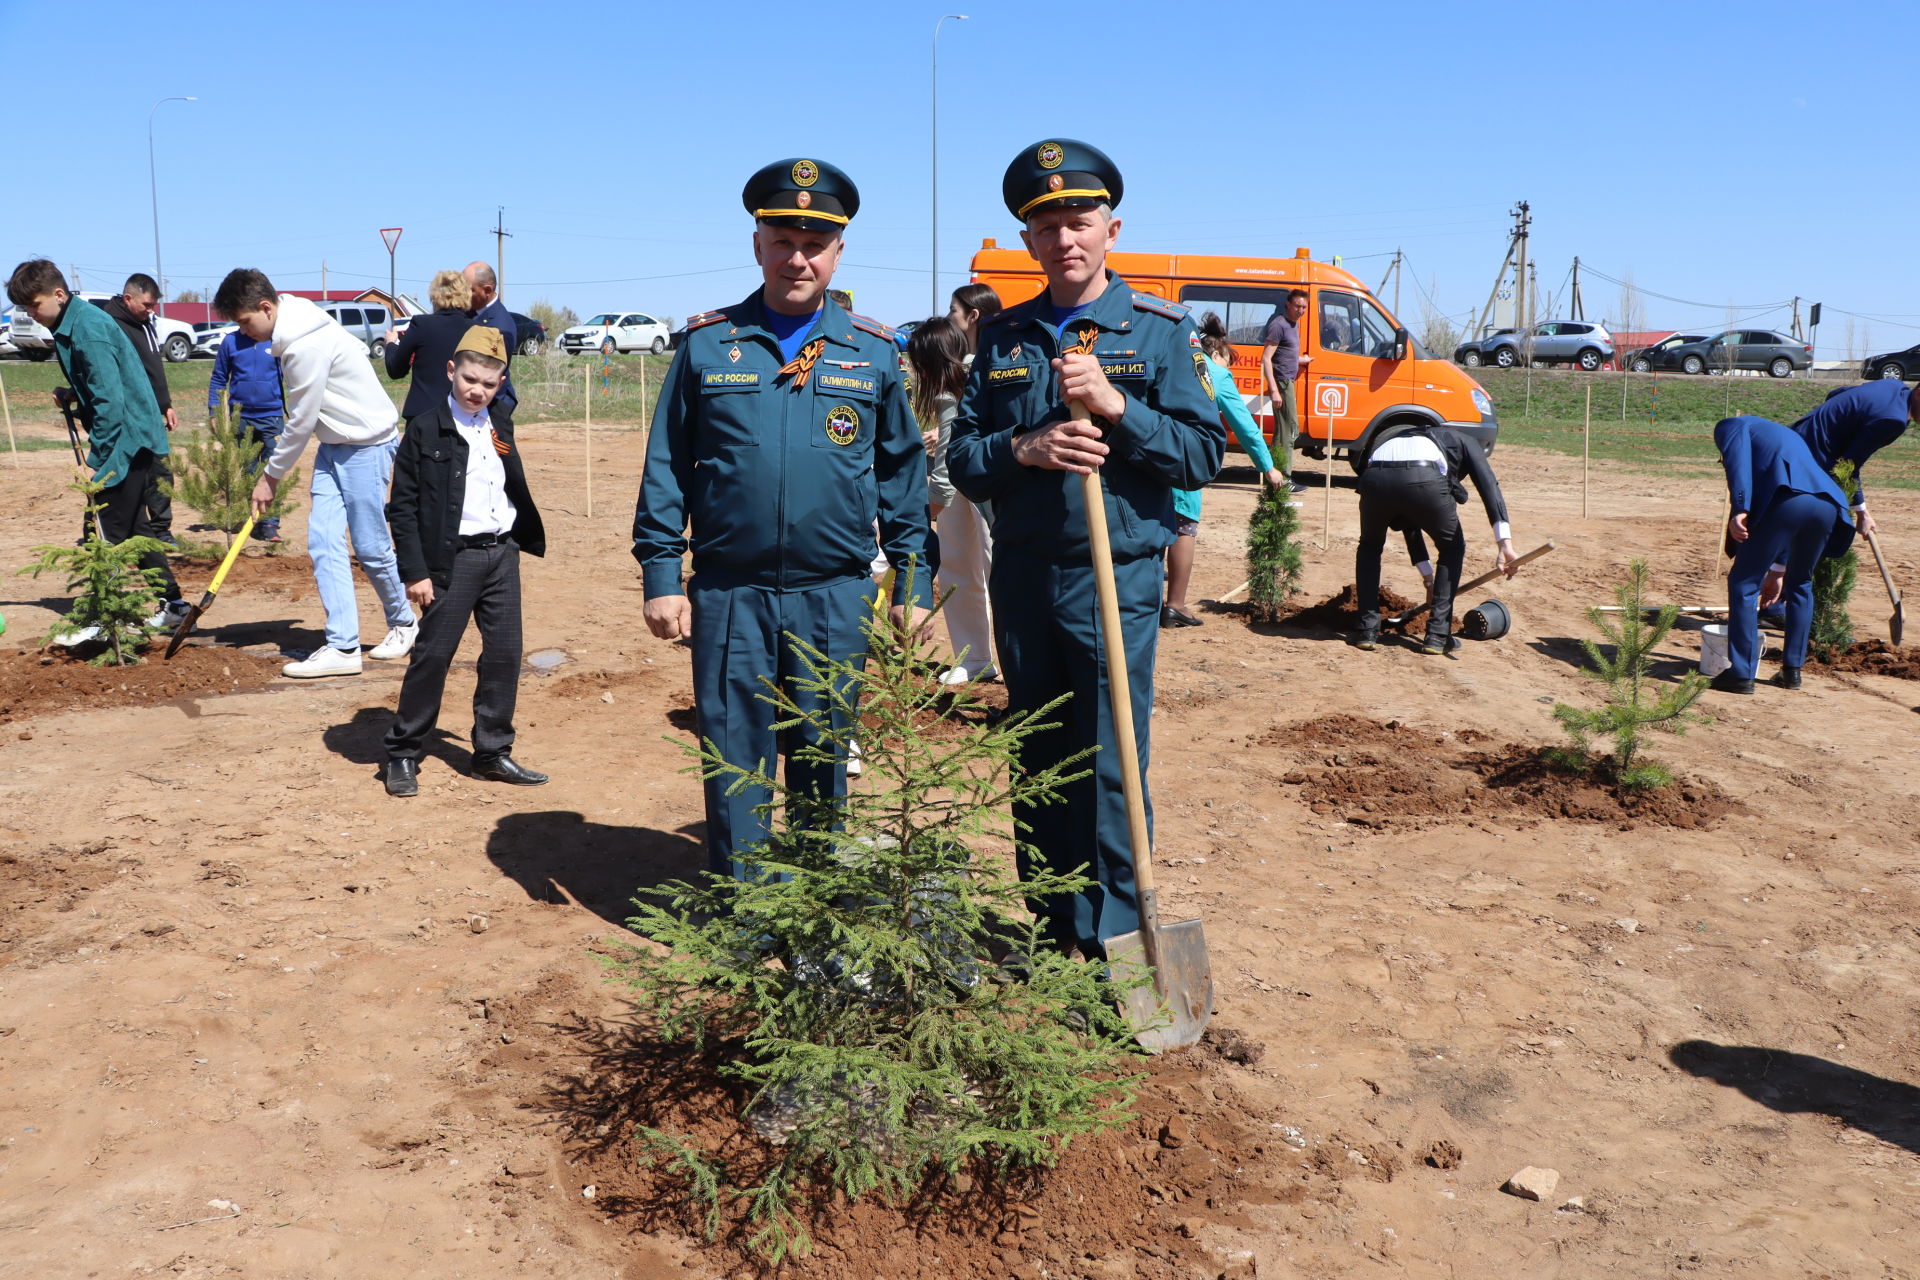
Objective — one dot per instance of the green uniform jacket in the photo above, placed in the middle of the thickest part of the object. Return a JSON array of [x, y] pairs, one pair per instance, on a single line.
[[782, 482], [116, 399], [1170, 436]]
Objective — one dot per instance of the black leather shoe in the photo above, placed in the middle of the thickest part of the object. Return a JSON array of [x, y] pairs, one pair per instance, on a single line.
[[1789, 678], [1437, 645], [1172, 617], [1727, 682], [403, 777], [504, 769], [1366, 640]]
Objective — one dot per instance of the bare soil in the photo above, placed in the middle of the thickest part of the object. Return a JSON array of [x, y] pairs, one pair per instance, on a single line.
[[232, 970]]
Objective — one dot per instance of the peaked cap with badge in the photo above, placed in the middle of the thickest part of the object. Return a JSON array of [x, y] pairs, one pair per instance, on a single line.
[[1060, 173], [810, 195]]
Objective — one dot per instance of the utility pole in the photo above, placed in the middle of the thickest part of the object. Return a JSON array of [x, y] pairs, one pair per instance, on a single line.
[[323, 279], [1576, 311], [1796, 321], [1393, 270], [1516, 257], [500, 238], [1523, 314]]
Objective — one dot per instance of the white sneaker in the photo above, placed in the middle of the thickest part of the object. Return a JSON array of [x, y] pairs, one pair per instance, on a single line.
[[853, 760], [398, 644], [74, 639], [962, 675], [324, 661], [172, 614]]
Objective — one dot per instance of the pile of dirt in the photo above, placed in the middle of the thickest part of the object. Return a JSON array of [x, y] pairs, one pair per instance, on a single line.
[[35, 683], [1340, 612], [1137, 1201], [285, 574], [1875, 658], [1391, 775]]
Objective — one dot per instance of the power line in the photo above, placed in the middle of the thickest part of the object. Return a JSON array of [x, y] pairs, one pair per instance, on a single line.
[[1684, 302]]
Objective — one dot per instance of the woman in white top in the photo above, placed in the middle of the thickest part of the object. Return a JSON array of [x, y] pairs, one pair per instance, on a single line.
[[939, 356]]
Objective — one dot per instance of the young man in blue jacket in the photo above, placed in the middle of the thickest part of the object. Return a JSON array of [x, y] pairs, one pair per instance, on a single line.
[[246, 370], [1135, 361]]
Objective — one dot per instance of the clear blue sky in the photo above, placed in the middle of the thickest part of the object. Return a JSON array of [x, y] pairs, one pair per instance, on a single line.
[[1726, 154]]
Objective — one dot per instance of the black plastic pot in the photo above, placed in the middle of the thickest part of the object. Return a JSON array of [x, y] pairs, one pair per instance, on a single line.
[[1489, 621]]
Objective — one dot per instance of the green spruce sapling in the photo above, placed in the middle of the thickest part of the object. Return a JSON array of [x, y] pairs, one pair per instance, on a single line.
[[1833, 582], [215, 470], [1273, 554], [115, 598], [1635, 701], [888, 1006]]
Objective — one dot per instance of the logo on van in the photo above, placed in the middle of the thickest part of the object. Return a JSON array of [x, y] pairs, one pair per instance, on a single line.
[[1050, 155], [1331, 399]]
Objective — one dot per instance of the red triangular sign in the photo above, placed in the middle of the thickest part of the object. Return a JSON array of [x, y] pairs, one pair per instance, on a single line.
[[391, 235]]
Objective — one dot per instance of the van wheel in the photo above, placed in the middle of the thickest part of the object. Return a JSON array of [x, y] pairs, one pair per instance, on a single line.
[[1589, 359], [1693, 364], [1507, 358], [1780, 367], [378, 348], [659, 345], [1471, 359]]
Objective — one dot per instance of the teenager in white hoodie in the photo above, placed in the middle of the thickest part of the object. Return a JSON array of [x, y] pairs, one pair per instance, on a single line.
[[331, 393]]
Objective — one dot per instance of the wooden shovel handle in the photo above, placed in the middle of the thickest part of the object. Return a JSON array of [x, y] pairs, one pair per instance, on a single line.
[[1893, 592]]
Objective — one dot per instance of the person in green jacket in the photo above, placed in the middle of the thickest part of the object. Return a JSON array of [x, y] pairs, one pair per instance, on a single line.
[[117, 406]]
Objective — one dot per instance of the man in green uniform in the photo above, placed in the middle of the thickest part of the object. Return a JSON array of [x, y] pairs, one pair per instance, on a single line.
[[1135, 361], [782, 435]]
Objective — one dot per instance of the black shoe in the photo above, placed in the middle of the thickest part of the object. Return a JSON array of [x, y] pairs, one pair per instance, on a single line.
[[1172, 617], [1789, 677], [504, 769], [1727, 682], [1437, 645], [403, 777], [1294, 486], [1367, 640]]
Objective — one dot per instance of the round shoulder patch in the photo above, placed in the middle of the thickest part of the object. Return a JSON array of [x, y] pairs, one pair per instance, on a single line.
[[1205, 371], [1050, 154], [843, 424], [805, 173]]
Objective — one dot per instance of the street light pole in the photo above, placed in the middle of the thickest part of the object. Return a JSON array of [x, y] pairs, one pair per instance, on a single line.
[[934, 286], [153, 188]]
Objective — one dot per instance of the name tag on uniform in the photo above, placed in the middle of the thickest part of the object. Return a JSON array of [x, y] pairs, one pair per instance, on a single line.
[[860, 383], [729, 379], [1011, 373], [1124, 367]]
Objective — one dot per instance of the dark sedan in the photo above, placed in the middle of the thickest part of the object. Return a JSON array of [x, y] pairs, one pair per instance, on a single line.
[[1776, 353], [1660, 354], [531, 334], [1902, 366]]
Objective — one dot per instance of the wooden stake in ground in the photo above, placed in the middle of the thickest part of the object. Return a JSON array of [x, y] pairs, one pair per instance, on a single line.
[[8, 411], [1326, 508], [1586, 452], [589, 435]]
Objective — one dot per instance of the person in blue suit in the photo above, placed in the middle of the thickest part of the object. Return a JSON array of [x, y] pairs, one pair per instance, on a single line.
[[1853, 424], [1134, 360], [1787, 514], [781, 437]]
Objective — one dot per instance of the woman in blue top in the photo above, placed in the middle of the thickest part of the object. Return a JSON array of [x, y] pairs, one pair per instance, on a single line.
[[1186, 502]]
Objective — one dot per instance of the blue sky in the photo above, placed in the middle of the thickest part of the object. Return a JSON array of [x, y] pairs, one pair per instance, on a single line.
[[1727, 155]]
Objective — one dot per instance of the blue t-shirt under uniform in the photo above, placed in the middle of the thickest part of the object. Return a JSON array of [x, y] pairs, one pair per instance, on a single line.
[[791, 331], [1064, 316]]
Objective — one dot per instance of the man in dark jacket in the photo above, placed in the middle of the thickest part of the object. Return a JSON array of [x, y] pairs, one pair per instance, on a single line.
[[490, 311], [133, 311], [461, 515]]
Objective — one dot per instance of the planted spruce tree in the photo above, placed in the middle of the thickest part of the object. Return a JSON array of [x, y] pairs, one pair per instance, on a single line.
[[114, 597], [1273, 554], [1833, 582], [885, 1007], [214, 473], [1635, 701]]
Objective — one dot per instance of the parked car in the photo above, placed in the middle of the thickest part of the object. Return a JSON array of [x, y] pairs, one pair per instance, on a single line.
[[365, 321], [1474, 353], [616, 332], [1902, 366], [1777, 353], [209, 334], [1577, 342], [530, 335], [1660, 354], [36, 343]]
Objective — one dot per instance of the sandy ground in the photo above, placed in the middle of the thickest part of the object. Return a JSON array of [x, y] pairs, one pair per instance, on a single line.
[[233, 972]]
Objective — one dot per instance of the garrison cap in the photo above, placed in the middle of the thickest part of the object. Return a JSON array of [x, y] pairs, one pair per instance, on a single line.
[[483, 340], [809, 194], [1059, 173]]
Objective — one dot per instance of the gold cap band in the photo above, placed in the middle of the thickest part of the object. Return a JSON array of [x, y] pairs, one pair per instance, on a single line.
[[758, 214], [1102, 192]]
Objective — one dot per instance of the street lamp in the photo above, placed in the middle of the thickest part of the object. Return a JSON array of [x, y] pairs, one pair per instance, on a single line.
[[934, 287], [153, 186]]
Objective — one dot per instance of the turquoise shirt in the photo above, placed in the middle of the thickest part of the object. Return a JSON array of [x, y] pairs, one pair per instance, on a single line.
[[1186, 502], [116, 397]]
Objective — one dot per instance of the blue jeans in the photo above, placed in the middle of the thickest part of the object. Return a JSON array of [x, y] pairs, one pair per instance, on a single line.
[[263, 434], [350, 495]]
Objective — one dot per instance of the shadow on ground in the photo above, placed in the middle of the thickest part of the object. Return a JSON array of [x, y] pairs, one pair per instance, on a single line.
[[556, 856], [1797, 1082], [362, 740]]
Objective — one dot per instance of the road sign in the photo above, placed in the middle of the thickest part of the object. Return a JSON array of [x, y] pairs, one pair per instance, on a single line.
[[391, 235]]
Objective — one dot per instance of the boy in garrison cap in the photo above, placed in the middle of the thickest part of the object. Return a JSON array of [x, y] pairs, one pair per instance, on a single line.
[[1134, 360], [461, 515], [782, 433]]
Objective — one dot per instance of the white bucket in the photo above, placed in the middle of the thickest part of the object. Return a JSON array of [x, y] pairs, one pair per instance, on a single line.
[[1713, 649]]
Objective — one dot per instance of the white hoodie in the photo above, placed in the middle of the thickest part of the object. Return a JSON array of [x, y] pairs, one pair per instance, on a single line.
[[331, 390]]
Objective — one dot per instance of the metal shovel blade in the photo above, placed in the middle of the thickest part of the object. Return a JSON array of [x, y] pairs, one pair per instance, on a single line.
[[1170, 1011], [185, 629], [1897, 624]]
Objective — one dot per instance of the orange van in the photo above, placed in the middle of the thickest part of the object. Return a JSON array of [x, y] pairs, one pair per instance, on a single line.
[[1367, 372]]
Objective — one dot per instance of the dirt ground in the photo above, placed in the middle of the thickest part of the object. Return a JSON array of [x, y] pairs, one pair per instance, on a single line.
[[257, 1019]]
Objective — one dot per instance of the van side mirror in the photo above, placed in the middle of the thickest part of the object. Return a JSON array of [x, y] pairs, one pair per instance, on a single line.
[[1402, 343]]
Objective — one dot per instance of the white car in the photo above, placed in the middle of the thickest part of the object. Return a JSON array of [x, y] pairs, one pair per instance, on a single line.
[[36, 343], [207, 337], [616, 332]]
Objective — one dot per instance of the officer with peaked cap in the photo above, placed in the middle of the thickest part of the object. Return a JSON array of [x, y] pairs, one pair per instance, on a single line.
[[781, 433], [1135, 361]]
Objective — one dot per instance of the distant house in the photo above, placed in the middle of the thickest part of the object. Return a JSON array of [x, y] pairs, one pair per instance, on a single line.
[[1635, 341]]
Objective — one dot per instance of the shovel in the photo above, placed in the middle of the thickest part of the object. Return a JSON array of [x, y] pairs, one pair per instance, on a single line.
[[181, 632], [1172, 1013], [1401, 619], [1898, 622]]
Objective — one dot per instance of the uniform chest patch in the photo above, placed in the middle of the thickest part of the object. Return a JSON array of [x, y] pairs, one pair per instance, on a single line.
[[843, 424], [1010, 373], [1126, 366], [861, 383], [729, 379]]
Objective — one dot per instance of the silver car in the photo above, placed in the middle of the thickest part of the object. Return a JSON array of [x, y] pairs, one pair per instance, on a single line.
[[1575, 342], [367, 321]]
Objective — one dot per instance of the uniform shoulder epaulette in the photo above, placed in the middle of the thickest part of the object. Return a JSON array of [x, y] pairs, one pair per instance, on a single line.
[[704, 319], [871, 326], [1160, 306]]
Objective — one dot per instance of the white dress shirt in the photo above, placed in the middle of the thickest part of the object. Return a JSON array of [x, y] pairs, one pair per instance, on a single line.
[[1414, 447], [485, 508]]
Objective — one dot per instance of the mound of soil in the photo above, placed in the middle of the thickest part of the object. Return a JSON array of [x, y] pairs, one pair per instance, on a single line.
[[1875, 658], [287, 574], [1137, 1201], [1340, 612], [34, 683], [1390, 775]]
